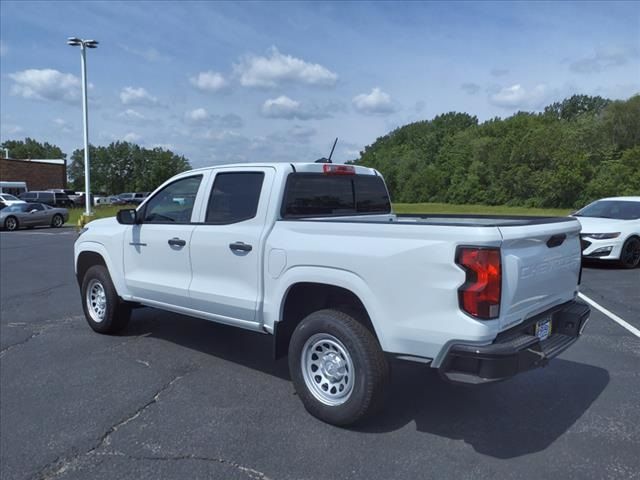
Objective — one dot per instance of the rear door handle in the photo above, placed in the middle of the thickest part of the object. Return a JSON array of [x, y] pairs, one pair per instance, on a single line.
[[240, 246], [177, 242]]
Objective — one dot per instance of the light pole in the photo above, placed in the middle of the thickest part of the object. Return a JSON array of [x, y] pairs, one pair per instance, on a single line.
[[84, 44]]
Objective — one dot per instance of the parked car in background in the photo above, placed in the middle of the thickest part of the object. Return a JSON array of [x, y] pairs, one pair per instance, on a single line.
[[611, 230], [13, 188], [124, 198], [72, 194], [53, 199], [139, 197], [31, 215], [7, 199]]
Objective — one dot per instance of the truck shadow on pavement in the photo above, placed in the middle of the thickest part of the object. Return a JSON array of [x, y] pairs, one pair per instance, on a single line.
[[523, 415]]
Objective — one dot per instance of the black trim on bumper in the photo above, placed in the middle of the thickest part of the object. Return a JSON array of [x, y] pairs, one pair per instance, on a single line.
[[518, 349]]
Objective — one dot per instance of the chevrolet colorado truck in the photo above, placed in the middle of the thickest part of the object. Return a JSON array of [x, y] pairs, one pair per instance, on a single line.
[[313, 255]]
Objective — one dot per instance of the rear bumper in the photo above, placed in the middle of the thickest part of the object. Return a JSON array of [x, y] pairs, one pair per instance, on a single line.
[[516, 350]]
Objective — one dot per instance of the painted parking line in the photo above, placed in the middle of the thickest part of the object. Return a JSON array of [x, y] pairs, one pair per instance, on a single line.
[[611, 315]]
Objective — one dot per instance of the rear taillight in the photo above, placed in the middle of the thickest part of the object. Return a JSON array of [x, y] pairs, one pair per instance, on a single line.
[[480, 294], [333, 169]]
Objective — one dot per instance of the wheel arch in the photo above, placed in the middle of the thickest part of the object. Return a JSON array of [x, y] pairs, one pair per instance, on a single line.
[[89, 254], [302, 298]]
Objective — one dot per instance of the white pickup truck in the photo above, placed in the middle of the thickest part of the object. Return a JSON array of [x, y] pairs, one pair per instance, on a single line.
[[313, 255]]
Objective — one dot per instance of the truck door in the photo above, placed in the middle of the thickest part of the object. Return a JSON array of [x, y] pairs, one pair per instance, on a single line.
[[226, 247], [157, 264]]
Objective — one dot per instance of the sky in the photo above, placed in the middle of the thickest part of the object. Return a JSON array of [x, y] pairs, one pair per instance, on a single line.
[[278, 81]]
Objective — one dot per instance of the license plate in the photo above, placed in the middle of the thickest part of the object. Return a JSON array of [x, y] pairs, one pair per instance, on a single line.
[[543, 329]]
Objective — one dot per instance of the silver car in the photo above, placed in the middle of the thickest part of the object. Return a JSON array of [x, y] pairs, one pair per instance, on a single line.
[[31, 215]]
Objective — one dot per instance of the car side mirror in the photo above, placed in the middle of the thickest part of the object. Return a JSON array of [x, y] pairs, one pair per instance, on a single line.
[[33, 211], [127, 216]]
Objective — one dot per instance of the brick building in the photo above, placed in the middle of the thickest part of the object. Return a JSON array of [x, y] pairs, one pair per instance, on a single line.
[[39, 174]]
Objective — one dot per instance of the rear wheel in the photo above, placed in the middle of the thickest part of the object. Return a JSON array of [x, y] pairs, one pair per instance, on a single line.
[[630, 253], [338, 368], [57, 221], [103, 309], [11, 223]]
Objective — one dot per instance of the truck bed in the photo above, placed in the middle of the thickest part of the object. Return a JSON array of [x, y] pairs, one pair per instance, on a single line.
[[462, 220]]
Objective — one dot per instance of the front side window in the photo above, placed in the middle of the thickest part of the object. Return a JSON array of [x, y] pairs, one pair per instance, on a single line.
[[45, 197], [36, 206], [234, 197], [174, 203]]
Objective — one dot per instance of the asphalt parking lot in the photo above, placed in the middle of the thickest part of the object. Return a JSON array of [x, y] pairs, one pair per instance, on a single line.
[[176, 397]]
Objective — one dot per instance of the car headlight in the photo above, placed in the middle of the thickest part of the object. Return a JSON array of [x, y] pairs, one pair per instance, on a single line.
[[602, 236]]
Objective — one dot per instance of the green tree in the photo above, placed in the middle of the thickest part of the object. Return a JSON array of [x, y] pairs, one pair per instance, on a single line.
[[124, 166], [30, 148]]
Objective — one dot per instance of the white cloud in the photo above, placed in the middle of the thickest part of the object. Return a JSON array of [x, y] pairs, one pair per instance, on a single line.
[[62, 124], [285, 107], [517, 96], [46, 84], [275, 68], [209, 81], [375, 103], [131, 137], [9, 129], [132, 114], [137, 96], [4, 49], [198, 115], [604, 59]]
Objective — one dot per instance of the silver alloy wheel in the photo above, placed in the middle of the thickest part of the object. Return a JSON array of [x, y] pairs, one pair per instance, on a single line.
[[327, 369], [57, 221], [10, 223], [96, 299]]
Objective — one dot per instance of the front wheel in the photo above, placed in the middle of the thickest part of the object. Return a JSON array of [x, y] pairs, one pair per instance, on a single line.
[[11, 223], [338, 368], [57, 221], [630, 253], [103, 309]]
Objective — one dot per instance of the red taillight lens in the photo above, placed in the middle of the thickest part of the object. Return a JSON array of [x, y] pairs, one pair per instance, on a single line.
[[332, 169], [480, 294]]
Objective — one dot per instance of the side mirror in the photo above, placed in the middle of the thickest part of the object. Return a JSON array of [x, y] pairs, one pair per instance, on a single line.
[[33, 211], [127, 217]]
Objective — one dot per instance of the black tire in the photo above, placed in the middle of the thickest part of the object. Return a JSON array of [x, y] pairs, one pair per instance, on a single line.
[[57, 221], [630, 253], [116, 313], [370, 373], [11, 223]]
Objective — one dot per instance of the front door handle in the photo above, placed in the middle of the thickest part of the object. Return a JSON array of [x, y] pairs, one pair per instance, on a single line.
[[177, 242], [240, 246]]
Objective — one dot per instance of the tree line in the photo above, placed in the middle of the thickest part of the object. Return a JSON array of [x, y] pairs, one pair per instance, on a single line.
[[115, 168], [573, 152]]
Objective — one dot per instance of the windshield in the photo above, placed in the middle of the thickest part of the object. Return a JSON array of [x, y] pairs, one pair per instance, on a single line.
[[618, 209], [6, 196]]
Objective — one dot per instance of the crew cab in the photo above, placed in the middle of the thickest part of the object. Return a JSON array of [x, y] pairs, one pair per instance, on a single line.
[[313, 255]]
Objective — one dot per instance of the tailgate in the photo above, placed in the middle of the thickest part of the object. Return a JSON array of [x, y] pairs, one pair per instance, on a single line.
[[541, 267]]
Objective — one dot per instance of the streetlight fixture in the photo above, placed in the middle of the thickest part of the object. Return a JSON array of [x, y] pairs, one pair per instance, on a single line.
[[84, 44]]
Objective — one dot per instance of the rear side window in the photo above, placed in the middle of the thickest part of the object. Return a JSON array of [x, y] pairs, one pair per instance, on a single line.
[[311, 194], [45, 197], [234, 198]]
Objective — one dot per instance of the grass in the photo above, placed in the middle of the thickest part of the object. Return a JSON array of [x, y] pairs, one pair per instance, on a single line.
[[478, 209], [100, 212], [111, 210]]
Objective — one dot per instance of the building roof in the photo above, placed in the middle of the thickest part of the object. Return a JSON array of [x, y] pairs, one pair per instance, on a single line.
[[55, 161]]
